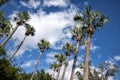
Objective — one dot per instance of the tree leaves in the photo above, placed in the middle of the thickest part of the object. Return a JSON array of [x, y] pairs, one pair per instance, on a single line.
[[43, 44]]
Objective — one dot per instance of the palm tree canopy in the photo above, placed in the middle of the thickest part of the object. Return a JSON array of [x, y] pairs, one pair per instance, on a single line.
[[29, 30], [60, 58], [5, 24], [43, 44], [68, 47], [21, 18], [78, 32], [91, 18], [54, 66]]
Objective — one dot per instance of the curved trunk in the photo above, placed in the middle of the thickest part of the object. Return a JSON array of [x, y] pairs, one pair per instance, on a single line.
[[86, 63], [59, 67], [35, 68], [74, 63], [53, 74], [65, 67], [9, 36], [17, 48]]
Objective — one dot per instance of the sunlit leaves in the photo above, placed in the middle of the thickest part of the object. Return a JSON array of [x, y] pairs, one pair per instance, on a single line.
[[60, 58], [68, 47], [43, 44], [54, 66]]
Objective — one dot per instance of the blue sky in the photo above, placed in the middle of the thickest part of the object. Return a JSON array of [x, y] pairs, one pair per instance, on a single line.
[[52, 20]]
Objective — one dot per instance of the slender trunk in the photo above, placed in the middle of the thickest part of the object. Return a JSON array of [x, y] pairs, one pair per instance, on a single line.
[[65, 67], [86, 64], [17, 48], [9, 36], [53, 74], [59, 67], [74, 63], [35, 68]]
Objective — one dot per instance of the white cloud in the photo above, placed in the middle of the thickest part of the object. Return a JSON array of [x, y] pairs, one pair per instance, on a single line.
[[110, 78], [48, 26], [28, 63], [56, 3], [50, 57], [117, 58], [31, 4], [51, 54]]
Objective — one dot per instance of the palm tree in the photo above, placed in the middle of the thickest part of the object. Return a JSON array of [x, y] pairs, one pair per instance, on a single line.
[[29, 31], [78, 34], [54, 67], [60, 58], [43, 45], [68, 49], [5, 25], [91, 20], [20, 19]]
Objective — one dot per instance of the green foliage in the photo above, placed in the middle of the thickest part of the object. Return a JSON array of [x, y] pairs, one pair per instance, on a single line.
[[5, 25], [42, 75], [21, 18], [2, 51], [91, 18], [43, 44], [60, 58], [68, 48], [54, 66], [29, 30], [7, 71]]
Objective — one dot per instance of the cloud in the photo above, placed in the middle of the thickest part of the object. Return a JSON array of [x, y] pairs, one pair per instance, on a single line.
[[50, 57], [117, 58], [28, 63], [110, 78], [31, 4], [48, 26], [56, 3]]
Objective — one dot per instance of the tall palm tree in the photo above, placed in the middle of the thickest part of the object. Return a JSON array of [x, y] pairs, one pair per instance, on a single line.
[[60, 58], [29, 31], [78, 35], [43, 45], [54, 67], [91, 20], [68, 48], [20, 19]]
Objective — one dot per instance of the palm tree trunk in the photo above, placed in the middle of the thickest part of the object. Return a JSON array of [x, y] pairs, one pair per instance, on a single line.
[[59, 67], [74, 63], [53, 74], [9, 36], [86, 64], [65, 67], [17, 48], [35, 68]]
